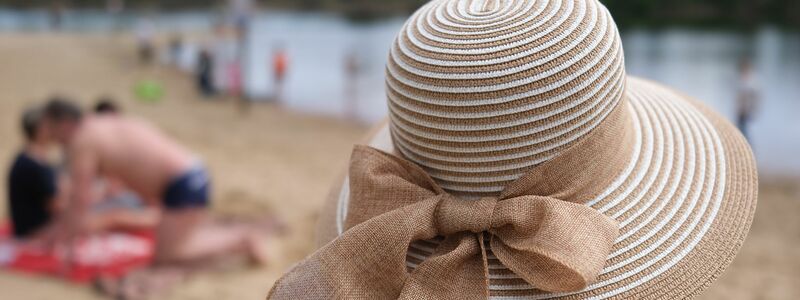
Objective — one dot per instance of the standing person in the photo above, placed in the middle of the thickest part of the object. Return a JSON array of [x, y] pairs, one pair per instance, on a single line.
[[280, 64], [145, 33], [223, 50], [205, 73], [240, 15], [176, 49], [747, 100], [56, 14], [114, 8], [155, 167], [241, 11], [235, 83]]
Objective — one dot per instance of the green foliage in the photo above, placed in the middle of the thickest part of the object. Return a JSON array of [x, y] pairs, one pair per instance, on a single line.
[[729, 13]]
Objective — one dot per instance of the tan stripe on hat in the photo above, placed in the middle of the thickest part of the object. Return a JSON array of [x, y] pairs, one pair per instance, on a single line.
[[468, 108]]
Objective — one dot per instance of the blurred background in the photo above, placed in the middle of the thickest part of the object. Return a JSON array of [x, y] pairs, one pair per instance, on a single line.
[[272, 94]]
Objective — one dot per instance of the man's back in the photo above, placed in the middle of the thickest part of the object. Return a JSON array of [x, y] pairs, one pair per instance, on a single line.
[[133, 151]]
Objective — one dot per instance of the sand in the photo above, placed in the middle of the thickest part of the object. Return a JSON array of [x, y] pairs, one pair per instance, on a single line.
[[272, 160]]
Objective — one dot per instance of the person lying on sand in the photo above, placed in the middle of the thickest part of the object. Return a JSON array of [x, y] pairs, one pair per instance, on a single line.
[[36, 191], [160, 171]]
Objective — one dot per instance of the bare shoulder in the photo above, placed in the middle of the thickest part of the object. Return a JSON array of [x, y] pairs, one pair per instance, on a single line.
[[90, 134], [83, 140]]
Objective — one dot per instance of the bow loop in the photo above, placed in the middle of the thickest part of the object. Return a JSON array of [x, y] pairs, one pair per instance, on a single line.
[[552, 244], [457, 215]]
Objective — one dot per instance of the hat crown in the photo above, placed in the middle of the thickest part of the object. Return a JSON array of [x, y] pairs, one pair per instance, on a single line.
[[481, 90]]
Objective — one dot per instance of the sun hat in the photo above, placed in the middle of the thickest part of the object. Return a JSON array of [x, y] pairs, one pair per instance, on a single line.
[[519, 161]]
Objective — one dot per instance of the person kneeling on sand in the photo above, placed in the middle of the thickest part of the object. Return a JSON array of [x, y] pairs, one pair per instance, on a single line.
[[36, 192], [161, 172]]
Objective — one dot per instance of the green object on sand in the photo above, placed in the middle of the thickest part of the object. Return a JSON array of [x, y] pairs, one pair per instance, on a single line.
[[148, 91]]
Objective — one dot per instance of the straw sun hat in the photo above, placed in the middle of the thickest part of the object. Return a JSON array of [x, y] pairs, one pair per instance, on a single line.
[[519, 161]]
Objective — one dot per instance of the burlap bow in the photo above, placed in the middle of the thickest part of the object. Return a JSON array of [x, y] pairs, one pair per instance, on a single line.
[[552, 244]]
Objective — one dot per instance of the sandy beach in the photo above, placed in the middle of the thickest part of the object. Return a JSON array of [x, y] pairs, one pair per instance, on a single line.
[[274, 161]]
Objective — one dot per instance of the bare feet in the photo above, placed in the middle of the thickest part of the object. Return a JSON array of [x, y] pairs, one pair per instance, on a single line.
[[119, 289], [262, 243], [262, 249], [142, 284], [274, 225]]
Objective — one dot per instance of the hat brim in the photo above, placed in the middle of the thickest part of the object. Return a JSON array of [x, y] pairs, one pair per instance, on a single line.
[[684, 203]]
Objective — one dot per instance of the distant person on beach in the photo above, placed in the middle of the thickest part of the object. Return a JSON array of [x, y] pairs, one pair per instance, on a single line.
[[176, 49], [205, 73], [56, 14], [145, 35], [160, 171], [235, 84], [36, 191], [747, 98], [280, 65], [114, 9], [241, 13], [225, 54]]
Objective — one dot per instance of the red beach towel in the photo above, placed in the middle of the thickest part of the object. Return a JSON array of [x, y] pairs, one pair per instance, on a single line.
[[109, 254]]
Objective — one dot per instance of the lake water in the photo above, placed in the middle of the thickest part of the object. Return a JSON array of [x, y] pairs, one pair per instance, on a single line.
[[699, 63]]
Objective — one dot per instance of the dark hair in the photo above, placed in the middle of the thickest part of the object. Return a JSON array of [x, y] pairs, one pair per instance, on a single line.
[[60, 109], [31, 119], [106, 106]]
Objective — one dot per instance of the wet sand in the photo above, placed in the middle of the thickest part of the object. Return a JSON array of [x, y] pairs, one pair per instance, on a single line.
[[271, 160]]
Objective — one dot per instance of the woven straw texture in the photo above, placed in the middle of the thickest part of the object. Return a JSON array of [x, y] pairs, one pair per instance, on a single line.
[[684, 201], [482, 93]]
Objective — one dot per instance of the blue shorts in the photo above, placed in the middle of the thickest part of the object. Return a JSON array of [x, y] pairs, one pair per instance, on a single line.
[[189, 190]]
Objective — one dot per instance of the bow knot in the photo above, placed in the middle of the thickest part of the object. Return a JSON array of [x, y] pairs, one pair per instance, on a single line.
[[457, 215], [553, 245]]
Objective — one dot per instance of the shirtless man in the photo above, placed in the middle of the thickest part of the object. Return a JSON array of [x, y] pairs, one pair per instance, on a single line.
[[159, 170], [36, 192]]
